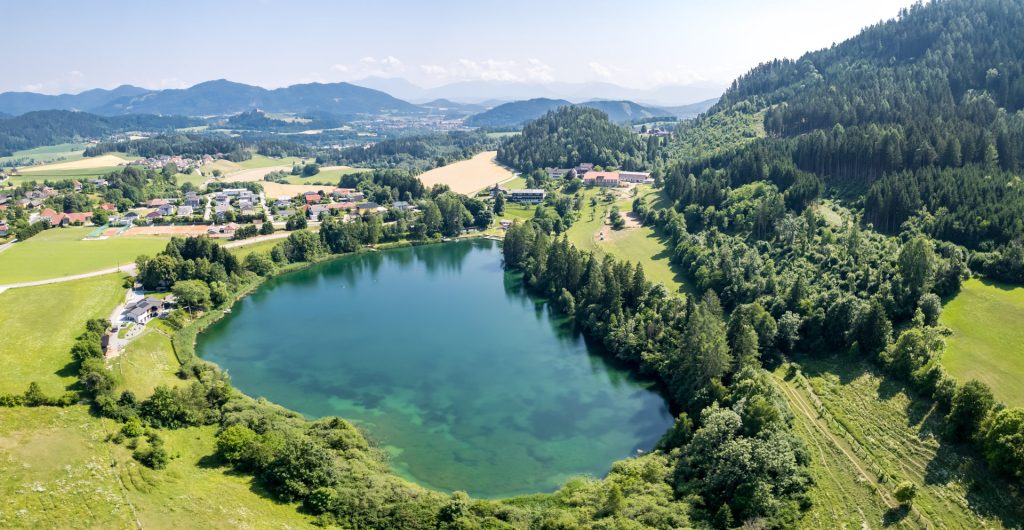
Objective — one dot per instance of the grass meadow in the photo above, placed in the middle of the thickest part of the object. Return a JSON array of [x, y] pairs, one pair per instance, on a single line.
[[62, 252], [987, 344], [40, 324]]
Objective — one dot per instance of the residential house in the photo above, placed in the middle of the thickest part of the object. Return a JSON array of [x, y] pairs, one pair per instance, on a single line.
[[131, 217], [221, 210], [185, 211], [635, 177], [368, 207], [336, 207], [144, 310], [557, 173], [528, 196], [166, 210], [402, 205], [4, 229], [151, 217], [77, 218], [153, 203], [76, 185], [603, 179], [108, 206], [498, 189], [311, 198], [283, 202], [192, 199], [315, 210], [584, 168]]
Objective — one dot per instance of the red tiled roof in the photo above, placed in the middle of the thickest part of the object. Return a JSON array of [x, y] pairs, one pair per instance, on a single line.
[[601, 175], [81, 217], [108, 207]]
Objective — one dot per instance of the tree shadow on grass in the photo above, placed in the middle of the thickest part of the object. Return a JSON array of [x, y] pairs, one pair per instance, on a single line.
[[894, 516]]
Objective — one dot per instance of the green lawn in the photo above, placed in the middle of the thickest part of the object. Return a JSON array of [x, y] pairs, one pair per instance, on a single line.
[[195, 178], [57, 470], [987, 344], [327, 177], [61, 252], [865, 434], [62, 174], [638, 245], [258, 161], [262, 246], [147, 362], [517, 183], [40, 324]]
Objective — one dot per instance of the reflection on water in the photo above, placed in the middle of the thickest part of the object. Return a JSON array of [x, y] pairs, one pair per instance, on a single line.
[[468, 382]]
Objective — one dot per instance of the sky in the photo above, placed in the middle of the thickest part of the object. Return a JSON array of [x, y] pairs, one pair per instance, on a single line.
[[69, 46]]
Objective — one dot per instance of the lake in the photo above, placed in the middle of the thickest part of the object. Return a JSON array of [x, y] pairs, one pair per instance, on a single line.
[[467, 381]]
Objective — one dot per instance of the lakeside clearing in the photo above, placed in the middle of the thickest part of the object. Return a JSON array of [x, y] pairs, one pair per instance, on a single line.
[[987, 344], [469, 176]]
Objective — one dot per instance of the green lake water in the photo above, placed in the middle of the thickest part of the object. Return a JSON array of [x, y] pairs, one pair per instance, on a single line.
[[469, 383]]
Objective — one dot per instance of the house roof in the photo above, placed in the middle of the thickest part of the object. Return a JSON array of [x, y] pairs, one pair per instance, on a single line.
[[601, 175], [367, 205]]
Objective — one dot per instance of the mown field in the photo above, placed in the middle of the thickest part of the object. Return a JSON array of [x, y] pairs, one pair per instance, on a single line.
[[62, 252], [865, 434], [640, 244], [39, 325], [987, 343]]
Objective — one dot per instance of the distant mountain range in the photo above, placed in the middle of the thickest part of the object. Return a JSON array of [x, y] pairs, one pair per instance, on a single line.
[[519, 112], [488, 92], [218, 97], [344, 101]]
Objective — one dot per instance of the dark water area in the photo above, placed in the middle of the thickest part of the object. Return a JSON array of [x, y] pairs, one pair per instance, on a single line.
[[439, 354]]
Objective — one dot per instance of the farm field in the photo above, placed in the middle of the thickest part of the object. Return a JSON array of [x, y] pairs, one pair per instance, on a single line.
[[274, 190], [47, 154], [865, 434], [40, 325], [95, 162], [62, 252], [195, 178], [260, 161], [58, 470], [987, 343], [469, 176]]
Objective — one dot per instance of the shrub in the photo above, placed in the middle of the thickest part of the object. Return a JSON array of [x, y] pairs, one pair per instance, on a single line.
[[905, 492]]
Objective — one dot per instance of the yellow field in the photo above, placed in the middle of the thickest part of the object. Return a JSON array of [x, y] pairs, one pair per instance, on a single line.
[[469, 176], [85, 163], [255, 174], [274, 190]]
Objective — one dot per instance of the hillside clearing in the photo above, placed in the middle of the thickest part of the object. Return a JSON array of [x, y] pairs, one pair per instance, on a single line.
[[469, 176], [987, 343], [865, 434]]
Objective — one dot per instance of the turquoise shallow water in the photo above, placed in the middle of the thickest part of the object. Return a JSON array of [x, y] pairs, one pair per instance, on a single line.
[[470, 383]]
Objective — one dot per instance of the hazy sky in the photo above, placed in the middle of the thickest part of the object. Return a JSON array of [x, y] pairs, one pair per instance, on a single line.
[[53, 47]]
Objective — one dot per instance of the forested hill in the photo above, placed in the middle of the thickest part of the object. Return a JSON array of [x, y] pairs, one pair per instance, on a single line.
[[571, 135], [50, 127], [922, 111], [516, 113]]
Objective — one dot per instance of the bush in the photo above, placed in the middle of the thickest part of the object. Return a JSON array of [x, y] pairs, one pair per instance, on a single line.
[[154, 455], [971, 403], [905, 492], [1002, 442], [235, 443]]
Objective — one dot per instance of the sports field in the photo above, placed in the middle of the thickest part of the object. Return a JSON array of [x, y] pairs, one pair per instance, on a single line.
[[469, 176], [987, 343]]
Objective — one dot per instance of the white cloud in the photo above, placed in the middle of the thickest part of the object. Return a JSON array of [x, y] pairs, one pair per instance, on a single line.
[[675, 76], [600, 69], [537, 70], [388, 66], [434, 70], [340, 68]]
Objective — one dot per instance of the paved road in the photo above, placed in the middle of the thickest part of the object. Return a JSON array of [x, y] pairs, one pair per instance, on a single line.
[[7, 245], [130, 269]]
